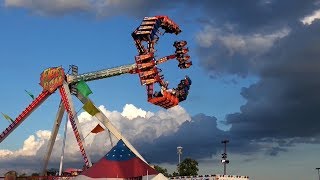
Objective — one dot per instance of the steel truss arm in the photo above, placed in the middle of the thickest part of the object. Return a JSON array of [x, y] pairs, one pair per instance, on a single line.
[[53, 136], [67, 102], [110, 72], [32, 106], [105, 73]]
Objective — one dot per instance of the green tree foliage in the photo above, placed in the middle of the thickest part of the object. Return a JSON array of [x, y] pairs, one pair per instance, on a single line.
[[164, 171], [23, 175], [35, 174], [174, 174], [188, 167]]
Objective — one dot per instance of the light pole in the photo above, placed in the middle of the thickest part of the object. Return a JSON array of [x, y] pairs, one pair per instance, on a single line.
[[318, 172], [179, 152], [224, 160]]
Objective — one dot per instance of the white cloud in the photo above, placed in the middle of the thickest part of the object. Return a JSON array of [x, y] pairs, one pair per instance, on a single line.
[[237, 43], [134, 123], [30, 146], [51, 6], [96, 7], [5, 153], [310, 18], [131, 112], [207, 36]]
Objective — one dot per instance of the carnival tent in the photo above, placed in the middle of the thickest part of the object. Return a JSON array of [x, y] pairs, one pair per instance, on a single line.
[[119, 163]]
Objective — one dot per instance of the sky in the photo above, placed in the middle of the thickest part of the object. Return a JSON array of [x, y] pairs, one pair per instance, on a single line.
[[254, 77]]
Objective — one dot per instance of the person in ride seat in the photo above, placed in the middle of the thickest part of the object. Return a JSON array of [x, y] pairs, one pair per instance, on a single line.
[[188, 80], [166, 84], [157, 94], [182, 95], [172, 91], [182, 65], [188, 64], [180, 86]]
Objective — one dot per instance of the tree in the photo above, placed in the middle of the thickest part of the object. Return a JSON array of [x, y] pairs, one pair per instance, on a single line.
[[164, 171], [174, 174], [188, 167], [35, 174], [23, 175]]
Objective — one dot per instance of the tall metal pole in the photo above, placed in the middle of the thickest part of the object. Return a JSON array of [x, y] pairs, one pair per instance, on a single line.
[[63, 145], [224, 160], [179, 152], [318, 172], [224, 164]]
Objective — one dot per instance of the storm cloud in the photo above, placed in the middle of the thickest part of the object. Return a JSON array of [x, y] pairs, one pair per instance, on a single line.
[[272, 41], [284, 103]]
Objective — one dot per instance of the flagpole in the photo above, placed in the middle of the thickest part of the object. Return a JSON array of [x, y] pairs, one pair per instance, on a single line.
[[64, 142]]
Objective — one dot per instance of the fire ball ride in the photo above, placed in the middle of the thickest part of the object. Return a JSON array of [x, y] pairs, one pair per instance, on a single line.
[[145, 37]]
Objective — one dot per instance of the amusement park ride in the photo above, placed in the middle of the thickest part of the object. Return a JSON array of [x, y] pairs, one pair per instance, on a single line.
[[145, 37]]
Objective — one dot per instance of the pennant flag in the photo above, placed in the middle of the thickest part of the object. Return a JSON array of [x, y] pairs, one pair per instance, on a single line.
[[83, 88], [120, 162], [31, 95], [97, 129], [90, 108], [7, 117]]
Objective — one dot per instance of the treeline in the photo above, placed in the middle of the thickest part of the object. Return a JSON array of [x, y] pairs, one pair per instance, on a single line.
[[188, 167]]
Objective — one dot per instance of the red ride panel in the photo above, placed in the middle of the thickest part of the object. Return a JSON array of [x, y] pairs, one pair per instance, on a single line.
[[166, 101]]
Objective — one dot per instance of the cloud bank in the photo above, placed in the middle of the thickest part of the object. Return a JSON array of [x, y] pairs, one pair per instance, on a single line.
[[134, 123], [154, 134], [98, 8], [277, 42]]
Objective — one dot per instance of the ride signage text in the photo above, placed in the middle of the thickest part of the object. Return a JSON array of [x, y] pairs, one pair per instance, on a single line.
[[52, 78]]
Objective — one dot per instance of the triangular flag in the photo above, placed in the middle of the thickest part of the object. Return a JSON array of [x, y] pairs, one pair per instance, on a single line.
[[97, 129], [90, 108], [7, 117], [31, 95], [83, 88]]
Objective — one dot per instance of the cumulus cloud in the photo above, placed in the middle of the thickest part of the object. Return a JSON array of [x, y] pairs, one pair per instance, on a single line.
[[236, 34], [243, 44], [155, 136], [135, 125], [131, 112], [48, 6], [254, 16], [100, 8], [224, 52], [310, 18]]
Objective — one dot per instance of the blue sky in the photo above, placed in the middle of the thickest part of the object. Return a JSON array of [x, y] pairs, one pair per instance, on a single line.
[[33, 43], [249, 65]]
